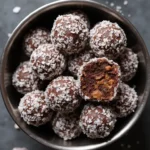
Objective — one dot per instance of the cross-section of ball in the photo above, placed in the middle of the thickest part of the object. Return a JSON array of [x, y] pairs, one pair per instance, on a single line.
[[99, 79], [47, 62], [62, 94], [107, 39], [97, 121], [69, 34], [66, 126], [34, 108], [24, 79]]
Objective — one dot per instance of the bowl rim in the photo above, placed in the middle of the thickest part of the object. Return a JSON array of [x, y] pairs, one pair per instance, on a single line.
[[21, 25]]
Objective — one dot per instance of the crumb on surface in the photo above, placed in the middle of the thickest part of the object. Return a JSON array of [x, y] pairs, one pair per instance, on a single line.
[[19, 148], [16, 9], [16, 126]]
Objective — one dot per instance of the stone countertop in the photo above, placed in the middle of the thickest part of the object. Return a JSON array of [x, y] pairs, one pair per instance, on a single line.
[[139, 135]]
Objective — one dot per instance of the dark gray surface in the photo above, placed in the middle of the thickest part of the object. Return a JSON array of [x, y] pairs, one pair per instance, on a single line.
[[139, 135]]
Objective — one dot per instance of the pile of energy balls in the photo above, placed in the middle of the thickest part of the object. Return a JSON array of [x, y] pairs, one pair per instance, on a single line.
[[87, 71]]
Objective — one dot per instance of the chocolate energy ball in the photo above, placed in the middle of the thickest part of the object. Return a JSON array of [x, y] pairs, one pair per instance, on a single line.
[[97, 121], [128, 62], [34, 108], [126, 100], [69, 34], [76, 61], [107, 39], [24, 79], [35, 38], [47, 62], [66, 126], [99, 79], [62, 94]]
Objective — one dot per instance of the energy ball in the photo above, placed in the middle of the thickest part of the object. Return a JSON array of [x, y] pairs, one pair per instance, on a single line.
[[35, 38], [76, 61], [128, 64], [66, 126], [97, 121], [107, 39], [126, 100], [99, 79], [69, 34], [62, 94], [24, 79], [34, 108], [47, 62]]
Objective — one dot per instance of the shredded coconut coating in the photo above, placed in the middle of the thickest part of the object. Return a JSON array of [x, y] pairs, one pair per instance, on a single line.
[[76, 61], [129, 64], [66, 126], [126, 100], [107, 39], [34, 108], [62, 94], [24, 79], [97, 121], [35, 38], [69, 34], [47, 62]]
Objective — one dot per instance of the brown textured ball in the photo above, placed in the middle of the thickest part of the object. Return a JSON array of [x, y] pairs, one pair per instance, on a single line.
[[107, 39], [34, 108], [35, 38], [62, 94], [97, 121], [24, 79], [69, 34]]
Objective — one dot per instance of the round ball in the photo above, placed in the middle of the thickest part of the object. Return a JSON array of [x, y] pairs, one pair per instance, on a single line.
[[34, 108], [75, 62], [128, 64], [66, 126], [35, 38], [126, 100], [107, 39], [69, 34], [99, 79], [47, 62], [97, 121], [62, 94], [24, 79]]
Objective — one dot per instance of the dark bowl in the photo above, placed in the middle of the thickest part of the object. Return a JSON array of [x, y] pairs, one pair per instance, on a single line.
[[13, 55]]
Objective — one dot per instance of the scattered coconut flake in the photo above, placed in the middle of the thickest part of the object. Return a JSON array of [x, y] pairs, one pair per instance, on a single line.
[[112, 4], [19, 148], [9, 34], [16, 127], [16, 9], [125, 2]]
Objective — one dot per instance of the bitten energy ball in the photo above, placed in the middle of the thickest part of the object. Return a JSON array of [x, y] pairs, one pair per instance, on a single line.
[[97, 121], [107, 39], [35, 38], [99, 79], [76, 61], [47, 62], [62, 94], [66, 126], [24, 79], [126, 100], [128, 64], [34, 108], [69, 34]]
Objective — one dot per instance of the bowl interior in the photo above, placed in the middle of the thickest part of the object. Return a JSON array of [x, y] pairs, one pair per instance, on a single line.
[[14, 54]]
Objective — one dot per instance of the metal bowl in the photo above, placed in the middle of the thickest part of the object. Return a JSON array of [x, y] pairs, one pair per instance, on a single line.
[[13, 55]]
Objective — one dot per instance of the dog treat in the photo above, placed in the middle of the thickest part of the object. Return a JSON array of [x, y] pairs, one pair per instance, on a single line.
[[126, 100], [66, 126], [69, 34], [99, 79], [62, 94], [24, 79], [35, 38], [47, 62], [34, 108], [107, 39], [97, 121]]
